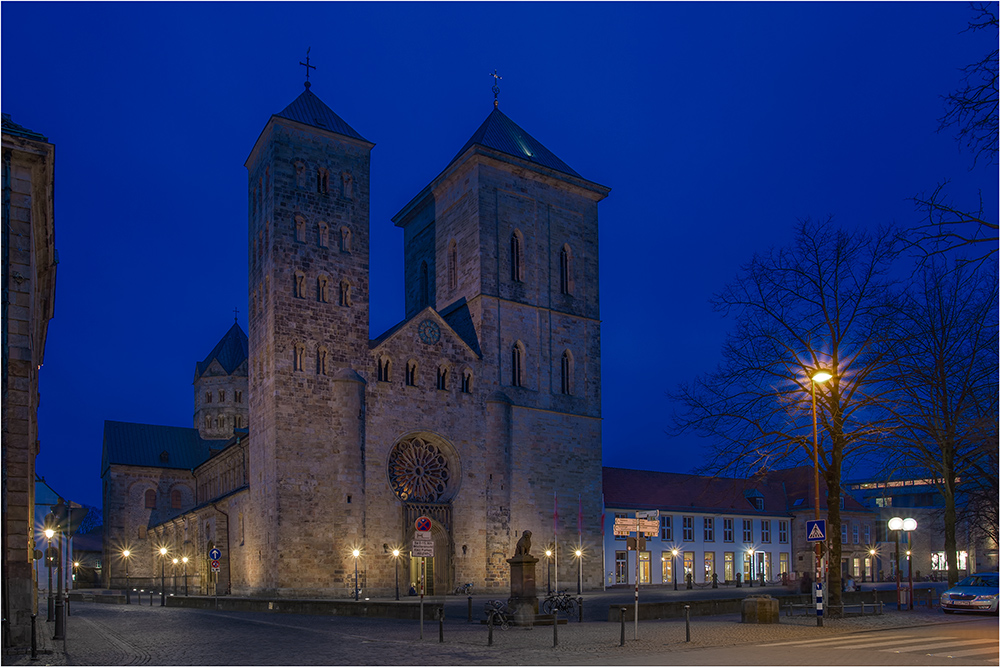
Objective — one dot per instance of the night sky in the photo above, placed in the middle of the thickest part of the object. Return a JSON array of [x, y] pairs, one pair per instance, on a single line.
[[717, 126]]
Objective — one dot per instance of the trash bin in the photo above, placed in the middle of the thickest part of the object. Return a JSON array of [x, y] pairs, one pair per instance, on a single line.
[[904, 597]]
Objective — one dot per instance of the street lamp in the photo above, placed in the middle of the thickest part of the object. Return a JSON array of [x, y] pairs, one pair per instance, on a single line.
[[163, 563], [395, 558], [897, 524], [185, 560], [173, 575], [548, 569], [579, 580], [674, 568], [356, 553], [819, 376], [76, 570], [871, 553], [48, 560], [128, 589]]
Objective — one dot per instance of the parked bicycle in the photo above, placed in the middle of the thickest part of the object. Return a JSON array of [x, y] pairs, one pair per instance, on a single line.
[[463, 589], [559, 601], [498, 613]]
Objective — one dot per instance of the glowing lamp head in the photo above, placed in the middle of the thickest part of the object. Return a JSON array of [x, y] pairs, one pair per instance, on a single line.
[[49, 533], [895, 523], [76, 563], [907, 553], [871, 551], [548, 553], [673, 551], [163, 551], [395, 553], [126, 553], [821, 376], [356, 553], [578, 553], [176, 561], [184, 560], [909, 524]]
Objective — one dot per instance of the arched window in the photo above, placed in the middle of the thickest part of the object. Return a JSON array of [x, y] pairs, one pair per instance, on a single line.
[[452, 265], [567, 372], [345, 239], [424, 295], [322, 289], [516, 256], [517, 365], [322, 181], [324, 235], [151, 499], [298, 352], [565, 282], [321, 359], [208, 422], [345, 293], [300, 229], [466, 381], [384, 367], [222, 396], [442, 382], [175, 499], [299, 288], [411, 373]]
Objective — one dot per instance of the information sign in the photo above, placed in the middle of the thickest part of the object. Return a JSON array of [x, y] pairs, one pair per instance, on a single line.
[[423, 547], [626, 526], [648, 514]]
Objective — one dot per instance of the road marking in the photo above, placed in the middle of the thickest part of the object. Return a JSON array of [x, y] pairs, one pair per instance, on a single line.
[[925, 647], [827, 640], [971, 651], [871, 642]]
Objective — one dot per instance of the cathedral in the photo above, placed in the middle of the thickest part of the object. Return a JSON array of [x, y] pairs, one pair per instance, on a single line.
[[315, 448]]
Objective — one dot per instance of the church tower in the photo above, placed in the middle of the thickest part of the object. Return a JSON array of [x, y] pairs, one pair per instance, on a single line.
[[220, 388], [308, 223]]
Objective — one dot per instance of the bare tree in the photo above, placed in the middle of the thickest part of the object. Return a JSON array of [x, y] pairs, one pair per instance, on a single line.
[[944, 379], [948, 230], [818, 304]]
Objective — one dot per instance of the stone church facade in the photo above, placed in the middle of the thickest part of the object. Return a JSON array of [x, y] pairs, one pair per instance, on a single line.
[[481, 409]]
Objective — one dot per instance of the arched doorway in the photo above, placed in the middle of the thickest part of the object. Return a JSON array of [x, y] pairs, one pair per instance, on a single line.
[[438, 572]]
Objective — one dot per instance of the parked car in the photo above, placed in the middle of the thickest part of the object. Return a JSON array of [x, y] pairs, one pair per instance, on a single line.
[[978, 592]]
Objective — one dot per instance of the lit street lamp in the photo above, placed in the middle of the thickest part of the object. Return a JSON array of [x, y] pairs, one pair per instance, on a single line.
[[395, 558], [897, 524], [173, 575], [49, 556], [674, 568], [579, 580], [128, 589], [356, 553], [818, 377], [185, 559], [163, 586], [750, 560], [871, 553], [548, 569]]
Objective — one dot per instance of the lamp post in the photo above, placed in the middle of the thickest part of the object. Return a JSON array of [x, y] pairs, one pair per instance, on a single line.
[[818, 377], [395, 558], [185, 560], [163, 565], [356, 553], [871, 553], [76, 571], [674, 567], [897, 524], [750, 560], [128, 589], [548, 570], [579, 579], [48, 560], [173, 576]]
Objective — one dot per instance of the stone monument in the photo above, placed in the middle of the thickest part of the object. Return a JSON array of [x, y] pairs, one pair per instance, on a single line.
[[522, 581]]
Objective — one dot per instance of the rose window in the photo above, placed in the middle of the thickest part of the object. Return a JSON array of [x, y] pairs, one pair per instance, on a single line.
[[418, 471]]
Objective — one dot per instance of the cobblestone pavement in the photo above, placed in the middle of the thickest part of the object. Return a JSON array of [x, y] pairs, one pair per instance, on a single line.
[[139, 635]]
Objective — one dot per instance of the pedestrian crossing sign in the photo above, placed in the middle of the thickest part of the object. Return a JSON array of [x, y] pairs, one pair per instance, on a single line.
[[816, 530]]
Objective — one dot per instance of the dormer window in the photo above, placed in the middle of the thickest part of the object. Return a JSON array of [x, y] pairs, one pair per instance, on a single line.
[[755, 498], [164, 456]]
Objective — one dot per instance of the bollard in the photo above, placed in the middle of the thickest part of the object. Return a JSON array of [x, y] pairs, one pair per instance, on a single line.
[[34, 638], [715, 580], [739, 580], [687, 622], [150, 597], [440, 615], [470, 609], [579, 604], [555, 628], [690, 578], [67, 606], [489, 626], [622, 643]]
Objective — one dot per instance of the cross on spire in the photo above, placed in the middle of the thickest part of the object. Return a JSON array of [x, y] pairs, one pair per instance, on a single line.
[[496, 88], [307, 65], [236, 314]]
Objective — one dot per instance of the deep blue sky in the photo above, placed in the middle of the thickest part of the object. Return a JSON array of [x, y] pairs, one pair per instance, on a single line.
[[715, 125]]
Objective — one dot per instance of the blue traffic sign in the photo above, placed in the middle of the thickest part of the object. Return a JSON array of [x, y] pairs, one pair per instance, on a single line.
[[816, 530], [215, 554]]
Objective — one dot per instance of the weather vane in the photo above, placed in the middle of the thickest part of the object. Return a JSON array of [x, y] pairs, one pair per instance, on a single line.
[[496, 88], [307, 65]]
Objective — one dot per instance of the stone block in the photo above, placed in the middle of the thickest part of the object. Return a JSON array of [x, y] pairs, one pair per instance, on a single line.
[[759, 609]]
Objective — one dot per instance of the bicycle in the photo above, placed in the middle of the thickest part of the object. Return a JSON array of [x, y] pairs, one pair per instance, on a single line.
[[560, 601], [497, 613], [464, 589]]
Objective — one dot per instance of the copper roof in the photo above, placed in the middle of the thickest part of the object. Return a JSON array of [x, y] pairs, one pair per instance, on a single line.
[[310, 110]]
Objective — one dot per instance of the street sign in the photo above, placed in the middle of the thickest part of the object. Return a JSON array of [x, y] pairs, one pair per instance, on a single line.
[[648, 514], [215, 554], [626, 526], [816, 530], [422, 524], [422, 547], [215, 565]]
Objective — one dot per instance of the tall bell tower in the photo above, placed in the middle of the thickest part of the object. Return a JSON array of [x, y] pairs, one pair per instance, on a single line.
[[309, 231]]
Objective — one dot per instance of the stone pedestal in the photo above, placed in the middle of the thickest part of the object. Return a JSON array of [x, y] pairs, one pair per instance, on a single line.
[[523, 598]]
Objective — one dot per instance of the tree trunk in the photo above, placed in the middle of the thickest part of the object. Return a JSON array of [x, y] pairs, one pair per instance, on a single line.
[[834, 547], [950, 541]]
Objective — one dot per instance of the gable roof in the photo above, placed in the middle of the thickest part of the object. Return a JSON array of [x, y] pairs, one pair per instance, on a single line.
[[426, 313], [645, 489], [144, 444], [502, 134], [310, 110], [230, 352]]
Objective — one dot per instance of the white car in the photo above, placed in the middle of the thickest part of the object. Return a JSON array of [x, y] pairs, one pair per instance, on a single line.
[[978, 592]]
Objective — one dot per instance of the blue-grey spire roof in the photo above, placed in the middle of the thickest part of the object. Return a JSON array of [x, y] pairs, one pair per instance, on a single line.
[[230, 352], [502, 134], [10, 127], [310, 110]]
